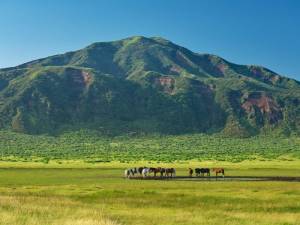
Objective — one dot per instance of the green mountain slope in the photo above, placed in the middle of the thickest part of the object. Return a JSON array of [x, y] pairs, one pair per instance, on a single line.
[[146, 85]]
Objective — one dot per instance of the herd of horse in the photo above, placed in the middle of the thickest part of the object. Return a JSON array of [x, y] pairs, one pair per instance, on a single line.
[[206, 171], [145, 172], [169, 172]]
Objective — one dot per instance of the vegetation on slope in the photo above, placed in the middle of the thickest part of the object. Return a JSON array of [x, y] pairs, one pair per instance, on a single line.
[[146, 86], [93, 148]]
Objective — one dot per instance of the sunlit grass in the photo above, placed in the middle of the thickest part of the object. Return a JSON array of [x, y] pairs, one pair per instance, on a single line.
[[102, 196], [37, 210]]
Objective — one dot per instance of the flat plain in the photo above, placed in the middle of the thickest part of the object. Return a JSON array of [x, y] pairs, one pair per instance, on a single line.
[[81, 193]]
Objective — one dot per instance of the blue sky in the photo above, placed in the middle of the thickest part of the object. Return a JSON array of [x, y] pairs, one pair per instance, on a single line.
[[263, 32]]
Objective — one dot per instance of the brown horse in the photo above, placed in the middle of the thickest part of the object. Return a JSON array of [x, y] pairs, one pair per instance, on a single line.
[[191, 171], [219, 170], [158, 170]]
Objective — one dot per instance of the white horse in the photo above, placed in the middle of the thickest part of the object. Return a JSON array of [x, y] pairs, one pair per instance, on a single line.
[[126, 173], [145, 172]]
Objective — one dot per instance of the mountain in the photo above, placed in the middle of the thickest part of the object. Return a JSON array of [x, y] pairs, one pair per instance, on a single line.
[[144, 85]]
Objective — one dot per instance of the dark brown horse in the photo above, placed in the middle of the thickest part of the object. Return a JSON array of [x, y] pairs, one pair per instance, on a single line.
[[152, 170], [170, 172], [202, 171], [155, 170], [162, 171], [158, 170], [219, 170]]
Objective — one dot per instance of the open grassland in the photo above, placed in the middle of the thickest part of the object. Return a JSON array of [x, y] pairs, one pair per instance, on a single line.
[[100, 195]]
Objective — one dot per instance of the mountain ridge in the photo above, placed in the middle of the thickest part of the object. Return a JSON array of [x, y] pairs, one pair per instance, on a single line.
[[146, 85], [143, 37]]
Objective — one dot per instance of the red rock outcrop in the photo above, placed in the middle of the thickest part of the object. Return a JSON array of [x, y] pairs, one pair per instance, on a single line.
[[266, 105], [166, 83]]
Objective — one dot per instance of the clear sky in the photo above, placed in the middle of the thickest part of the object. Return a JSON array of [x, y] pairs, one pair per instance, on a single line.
[[262, 32]]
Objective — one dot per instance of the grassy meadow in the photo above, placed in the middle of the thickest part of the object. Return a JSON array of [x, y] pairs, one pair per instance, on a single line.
[[80, 193]]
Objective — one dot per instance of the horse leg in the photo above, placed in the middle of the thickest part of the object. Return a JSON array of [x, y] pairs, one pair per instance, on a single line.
[[144, 173]]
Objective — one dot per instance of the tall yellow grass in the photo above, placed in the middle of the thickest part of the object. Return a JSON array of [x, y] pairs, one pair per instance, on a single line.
[[29, 210]]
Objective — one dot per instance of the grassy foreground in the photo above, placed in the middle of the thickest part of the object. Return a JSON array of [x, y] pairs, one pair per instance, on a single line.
[[72, 194]]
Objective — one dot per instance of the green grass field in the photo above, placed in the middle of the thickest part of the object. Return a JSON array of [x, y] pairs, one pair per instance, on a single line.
[[84, 194]]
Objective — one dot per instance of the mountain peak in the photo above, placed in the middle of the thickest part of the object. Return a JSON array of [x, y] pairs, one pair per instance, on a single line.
[[147, 85]]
